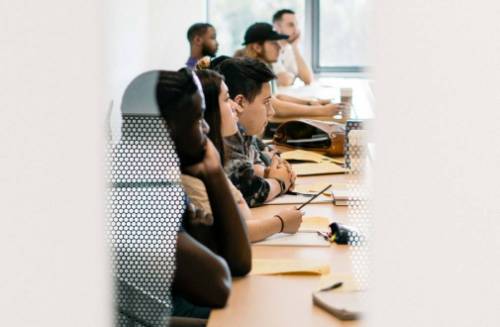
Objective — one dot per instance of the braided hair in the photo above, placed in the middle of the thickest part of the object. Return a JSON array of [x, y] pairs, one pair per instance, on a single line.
[[174, 92]]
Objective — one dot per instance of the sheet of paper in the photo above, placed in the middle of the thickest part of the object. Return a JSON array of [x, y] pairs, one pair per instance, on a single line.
[[288, 266], [306, 169], [298, 239], [299, 199], [314, 224]]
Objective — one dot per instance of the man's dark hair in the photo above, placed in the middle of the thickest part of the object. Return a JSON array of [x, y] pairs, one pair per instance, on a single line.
[[279, 14], [198, 29], [174, 92], [245, 76]]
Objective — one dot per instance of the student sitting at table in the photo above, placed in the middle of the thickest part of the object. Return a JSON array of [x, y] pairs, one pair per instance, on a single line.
[[202, 39], [262, 42], [291, 63], [180, 102], [249, 87], [222, 120]]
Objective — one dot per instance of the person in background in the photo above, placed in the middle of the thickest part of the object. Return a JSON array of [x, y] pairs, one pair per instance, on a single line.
[[262, 43], [210, 252], [221, 116], [291, 63], [248, 81], [202, 39]]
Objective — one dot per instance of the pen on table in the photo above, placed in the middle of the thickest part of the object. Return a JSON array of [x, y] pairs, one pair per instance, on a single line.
[[314, 197], [323, 235], [298, 193], [334, 286]]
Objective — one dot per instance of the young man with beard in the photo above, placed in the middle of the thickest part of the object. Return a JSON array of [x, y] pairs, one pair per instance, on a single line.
[[262, 42], [202, 39]]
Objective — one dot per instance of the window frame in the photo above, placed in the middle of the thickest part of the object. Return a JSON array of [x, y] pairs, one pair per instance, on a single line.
[[315, 46]]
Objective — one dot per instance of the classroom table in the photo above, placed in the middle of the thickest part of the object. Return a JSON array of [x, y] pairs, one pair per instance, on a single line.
[[355, 91], [286, 300]]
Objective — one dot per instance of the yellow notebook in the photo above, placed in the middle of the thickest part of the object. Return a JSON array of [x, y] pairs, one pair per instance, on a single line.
[[288, 266], [306, 169]]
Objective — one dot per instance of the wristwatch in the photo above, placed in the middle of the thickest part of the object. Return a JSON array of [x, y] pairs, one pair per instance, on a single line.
[[282, 185]]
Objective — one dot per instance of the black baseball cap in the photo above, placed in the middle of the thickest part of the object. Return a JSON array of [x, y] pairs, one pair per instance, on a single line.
[[260, 32]]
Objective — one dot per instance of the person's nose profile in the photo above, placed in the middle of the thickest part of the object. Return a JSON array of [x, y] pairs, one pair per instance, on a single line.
[[205, 127]]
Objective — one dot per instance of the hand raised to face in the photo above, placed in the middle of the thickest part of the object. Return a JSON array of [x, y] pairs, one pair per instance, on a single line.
[[210, 163]]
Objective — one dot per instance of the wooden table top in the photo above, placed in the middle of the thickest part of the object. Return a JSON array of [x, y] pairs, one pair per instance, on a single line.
[[286, 300]]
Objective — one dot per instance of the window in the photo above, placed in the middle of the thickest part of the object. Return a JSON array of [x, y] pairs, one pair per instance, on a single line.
[[231, 18], [340, 29]]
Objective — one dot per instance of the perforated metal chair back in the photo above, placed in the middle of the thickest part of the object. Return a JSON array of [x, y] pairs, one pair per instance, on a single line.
[[145, 208]]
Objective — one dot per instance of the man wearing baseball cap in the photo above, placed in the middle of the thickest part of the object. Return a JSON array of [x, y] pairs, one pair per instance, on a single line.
[[262, 42]]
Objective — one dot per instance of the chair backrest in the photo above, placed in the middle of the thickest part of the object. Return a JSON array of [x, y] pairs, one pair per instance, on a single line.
[[146, 204]]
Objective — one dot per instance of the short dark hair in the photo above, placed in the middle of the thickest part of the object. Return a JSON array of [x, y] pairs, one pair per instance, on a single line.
[[174, 92], [245, 76], [198, 29], [279, 14]]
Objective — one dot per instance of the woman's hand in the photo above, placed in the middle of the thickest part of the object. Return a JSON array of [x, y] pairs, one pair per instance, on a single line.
[[210, 163], [292, 218]]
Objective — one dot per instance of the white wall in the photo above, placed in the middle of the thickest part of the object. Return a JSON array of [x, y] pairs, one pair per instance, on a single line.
[[145, 35], [61, 63], [170, 20], [437, 218], [52, 252]]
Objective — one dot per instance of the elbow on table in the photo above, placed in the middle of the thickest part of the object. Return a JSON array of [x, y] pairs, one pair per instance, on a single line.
[[242, 266], [220, 284]]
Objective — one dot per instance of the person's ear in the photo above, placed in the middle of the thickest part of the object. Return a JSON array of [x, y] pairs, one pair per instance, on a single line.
[[198, 40], [240, 100], [257, 48]]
